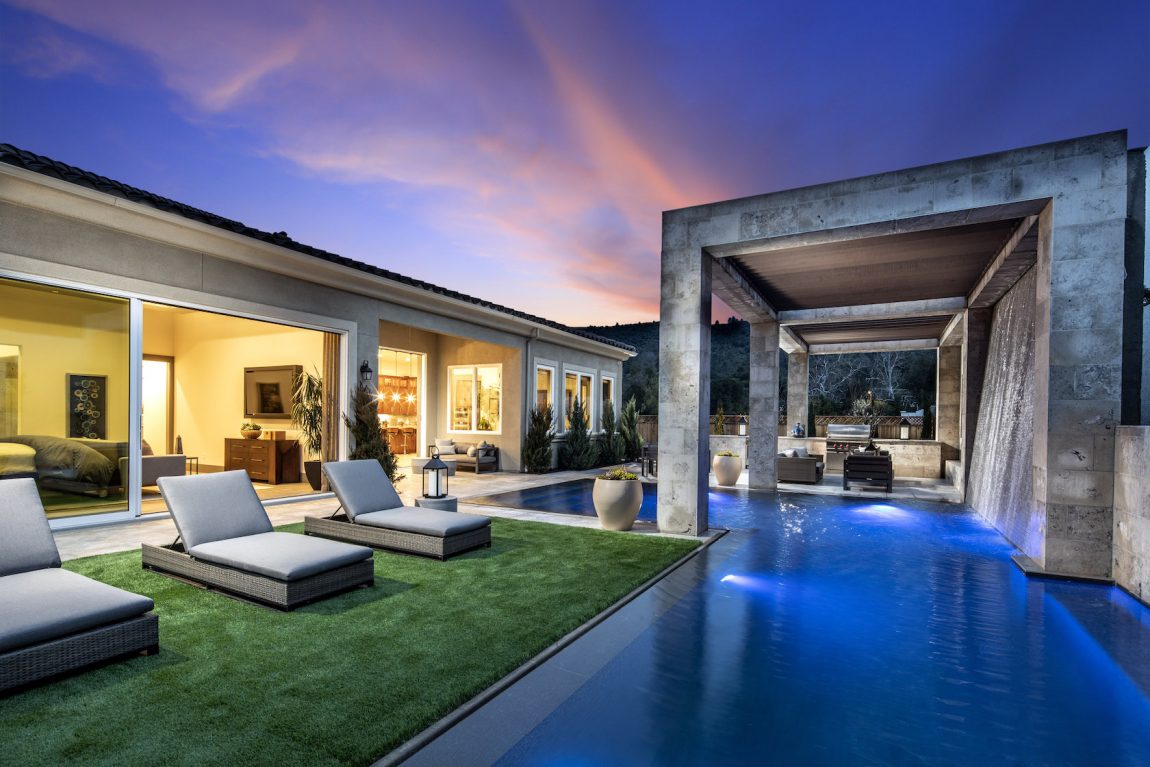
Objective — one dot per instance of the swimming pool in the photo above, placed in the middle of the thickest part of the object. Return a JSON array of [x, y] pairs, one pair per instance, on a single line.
[[840, 631], [573, 497]]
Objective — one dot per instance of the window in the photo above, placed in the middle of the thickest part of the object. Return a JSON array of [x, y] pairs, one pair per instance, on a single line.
[[476, 397], [544, 386], [607, 394], [577, 385]]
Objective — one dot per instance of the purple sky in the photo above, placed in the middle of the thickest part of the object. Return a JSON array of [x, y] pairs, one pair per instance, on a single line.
[[523, 151]]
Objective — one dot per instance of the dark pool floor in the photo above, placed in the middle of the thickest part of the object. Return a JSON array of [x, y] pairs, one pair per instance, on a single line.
[[837, 631]]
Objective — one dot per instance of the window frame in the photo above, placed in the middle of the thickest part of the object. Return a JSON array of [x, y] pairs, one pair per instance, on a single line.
[[592, 412], [474, 368], [603, 379]]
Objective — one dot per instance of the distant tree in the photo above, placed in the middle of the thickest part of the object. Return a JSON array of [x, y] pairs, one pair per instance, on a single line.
[[367, 434], [720, 421], [629, 430], [578, 452], [537, 445], [610, 442]]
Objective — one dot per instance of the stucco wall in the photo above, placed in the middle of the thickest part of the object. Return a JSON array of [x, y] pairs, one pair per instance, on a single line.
[[1132, 510], [1001, 462]]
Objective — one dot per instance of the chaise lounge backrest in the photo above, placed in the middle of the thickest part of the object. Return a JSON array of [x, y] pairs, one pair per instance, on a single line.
[[362, 487], [26, 541], [214, 507]]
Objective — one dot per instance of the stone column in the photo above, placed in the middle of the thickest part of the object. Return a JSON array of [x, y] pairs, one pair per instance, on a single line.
[[798, 389], [975, 343], [947, 428], [763, 430], [684, 384]]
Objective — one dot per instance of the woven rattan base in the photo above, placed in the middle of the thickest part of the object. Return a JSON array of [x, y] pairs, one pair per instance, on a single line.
[[396, 540], [285, 595], [30, 665]]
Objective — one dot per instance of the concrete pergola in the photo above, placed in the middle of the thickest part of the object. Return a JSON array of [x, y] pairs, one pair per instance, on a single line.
[[916, 259]]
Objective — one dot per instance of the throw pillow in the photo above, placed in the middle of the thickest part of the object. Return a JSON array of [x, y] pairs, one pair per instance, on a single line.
[[471, 452], [789, 452], [801, 452], [445, 446], [145, 448]]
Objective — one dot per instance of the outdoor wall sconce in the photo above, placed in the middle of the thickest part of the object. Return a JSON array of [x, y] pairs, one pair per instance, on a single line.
[[904, 429], [366, 373], [742, 426], [435, 477]]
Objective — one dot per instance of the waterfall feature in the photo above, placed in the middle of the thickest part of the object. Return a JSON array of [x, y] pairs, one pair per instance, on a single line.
[[1001, 471]]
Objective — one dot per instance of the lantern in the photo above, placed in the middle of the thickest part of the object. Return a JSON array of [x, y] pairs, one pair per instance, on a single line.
[[435, 477], [366, 373], [904, 429], [742, 426]]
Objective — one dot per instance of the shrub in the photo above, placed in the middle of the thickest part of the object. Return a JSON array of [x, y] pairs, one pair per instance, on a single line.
[[578, 451], [611, 443], [367, 434], [720, 421], [629, 430], [618, 474], [537, 446]]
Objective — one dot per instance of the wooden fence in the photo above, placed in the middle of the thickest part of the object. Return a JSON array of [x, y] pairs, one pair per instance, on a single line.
[[887, 427]]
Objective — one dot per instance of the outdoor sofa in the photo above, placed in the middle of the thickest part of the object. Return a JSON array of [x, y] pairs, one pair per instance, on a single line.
[[228, 544], [797, 465], [477, 457], [375, 515], [54, 621]]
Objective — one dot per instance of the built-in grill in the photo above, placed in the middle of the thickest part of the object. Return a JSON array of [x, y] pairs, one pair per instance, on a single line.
[[845, 437]]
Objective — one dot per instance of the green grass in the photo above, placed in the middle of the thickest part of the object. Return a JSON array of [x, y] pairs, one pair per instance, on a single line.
[[339, 682]]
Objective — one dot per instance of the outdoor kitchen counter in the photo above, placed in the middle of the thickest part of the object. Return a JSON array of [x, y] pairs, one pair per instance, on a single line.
[[911, 457]]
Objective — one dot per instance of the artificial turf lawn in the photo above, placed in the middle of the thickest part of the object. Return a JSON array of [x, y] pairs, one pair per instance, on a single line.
[[339, 682]]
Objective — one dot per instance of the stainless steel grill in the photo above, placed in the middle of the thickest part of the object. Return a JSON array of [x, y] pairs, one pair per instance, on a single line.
[[844, 437]]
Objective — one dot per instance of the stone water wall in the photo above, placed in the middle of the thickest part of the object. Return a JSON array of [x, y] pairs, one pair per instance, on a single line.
[[1001, 467], [1132, 510]]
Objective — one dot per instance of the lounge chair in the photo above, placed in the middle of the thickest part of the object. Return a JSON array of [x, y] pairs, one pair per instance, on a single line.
[[375, 515], [228, 544], [54, 621]]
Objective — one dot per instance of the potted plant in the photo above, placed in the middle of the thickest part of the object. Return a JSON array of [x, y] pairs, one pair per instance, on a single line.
[[250, 430], [727, 466], [617, 496], [307, 417]]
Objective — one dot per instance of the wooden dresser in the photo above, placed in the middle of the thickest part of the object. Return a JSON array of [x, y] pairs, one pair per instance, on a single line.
[[270, 461]]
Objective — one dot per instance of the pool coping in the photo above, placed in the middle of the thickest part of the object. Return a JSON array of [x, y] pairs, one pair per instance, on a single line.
[[410, 748]]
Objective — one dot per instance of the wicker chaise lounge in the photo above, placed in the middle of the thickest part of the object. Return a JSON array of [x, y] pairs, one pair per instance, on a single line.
[[228, 544], [375, 515], [54, 621]]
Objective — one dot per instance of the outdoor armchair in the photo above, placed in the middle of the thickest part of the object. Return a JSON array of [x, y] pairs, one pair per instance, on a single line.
[[54, 621], [226, 542], [375, 515]]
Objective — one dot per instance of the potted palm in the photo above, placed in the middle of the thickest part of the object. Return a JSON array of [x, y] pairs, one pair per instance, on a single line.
[[617, 496], [727, 466], [307, 417]]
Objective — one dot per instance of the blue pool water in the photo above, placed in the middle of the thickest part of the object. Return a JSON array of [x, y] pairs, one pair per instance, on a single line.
[[837, 631], [572, 497]]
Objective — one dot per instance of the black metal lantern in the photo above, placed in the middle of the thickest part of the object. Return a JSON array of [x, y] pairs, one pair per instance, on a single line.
[[435, 477], [742, 426], [904, 429], [366, 373]]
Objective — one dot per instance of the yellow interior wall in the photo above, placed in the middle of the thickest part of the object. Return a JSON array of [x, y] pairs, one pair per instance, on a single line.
[[211, 352], [61, 332]]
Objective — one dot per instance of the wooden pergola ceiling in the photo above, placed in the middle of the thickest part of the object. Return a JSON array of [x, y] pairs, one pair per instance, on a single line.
[[869, 331]]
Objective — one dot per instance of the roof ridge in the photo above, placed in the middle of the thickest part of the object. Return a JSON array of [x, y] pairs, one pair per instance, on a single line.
[[30, 161]]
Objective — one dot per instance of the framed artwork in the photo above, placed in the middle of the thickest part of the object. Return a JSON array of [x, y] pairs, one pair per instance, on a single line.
[[268, 391], [87, 400]]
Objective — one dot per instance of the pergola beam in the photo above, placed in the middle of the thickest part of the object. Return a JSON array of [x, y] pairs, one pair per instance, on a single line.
[[1004, 269], [952, 335], [730, 284], [874, 346], [931, 307]]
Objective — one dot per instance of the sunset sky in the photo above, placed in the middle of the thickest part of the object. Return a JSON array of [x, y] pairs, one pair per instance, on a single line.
[[524, 151]]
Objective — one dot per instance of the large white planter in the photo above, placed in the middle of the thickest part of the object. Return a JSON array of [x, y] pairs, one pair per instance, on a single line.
[[617, 502], [727, 469]]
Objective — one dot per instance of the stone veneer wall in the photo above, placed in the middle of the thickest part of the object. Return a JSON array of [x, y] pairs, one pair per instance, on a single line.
[[1132, 510], [1001, 466]]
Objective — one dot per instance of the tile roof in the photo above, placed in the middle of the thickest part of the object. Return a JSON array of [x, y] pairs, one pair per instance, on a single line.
[[47, 166]]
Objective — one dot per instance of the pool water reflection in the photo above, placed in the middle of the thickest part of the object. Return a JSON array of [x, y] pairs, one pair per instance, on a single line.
[[836, 631], [573, 497]]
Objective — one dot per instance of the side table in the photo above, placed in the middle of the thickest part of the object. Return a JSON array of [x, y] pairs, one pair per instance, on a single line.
[[446, 503]]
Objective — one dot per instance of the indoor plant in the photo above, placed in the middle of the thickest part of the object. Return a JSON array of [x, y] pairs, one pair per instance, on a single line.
[[250, 430], [617, 496], [727, 466], [307, 416]]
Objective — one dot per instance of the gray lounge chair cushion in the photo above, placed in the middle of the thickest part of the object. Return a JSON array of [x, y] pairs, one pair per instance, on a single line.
[[283, 556], [26, 541], [48, 604], [214, 507], [439, 524], [361, 487]]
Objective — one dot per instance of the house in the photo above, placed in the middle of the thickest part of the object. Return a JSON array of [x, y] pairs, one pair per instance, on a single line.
[[133, 325]]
